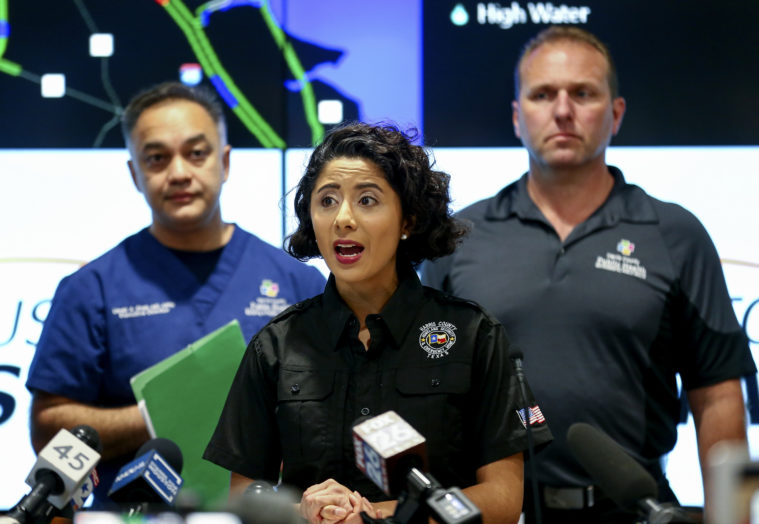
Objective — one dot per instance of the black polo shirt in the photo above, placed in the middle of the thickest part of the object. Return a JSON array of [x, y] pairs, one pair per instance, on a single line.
[[607, 318], [440, 362]]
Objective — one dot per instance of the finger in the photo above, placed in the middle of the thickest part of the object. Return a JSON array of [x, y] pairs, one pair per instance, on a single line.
[[318, 487], [331, 499], [325, 507], [370, 509], [332, 512], [355, 499]]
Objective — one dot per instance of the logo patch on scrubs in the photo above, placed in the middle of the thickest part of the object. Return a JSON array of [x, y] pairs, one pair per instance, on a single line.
[[269, 288], [625, 247], [267, 305], [622, 263], [437, 338]]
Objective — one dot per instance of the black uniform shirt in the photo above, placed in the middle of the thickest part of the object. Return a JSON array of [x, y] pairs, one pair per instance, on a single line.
[[440, 362]]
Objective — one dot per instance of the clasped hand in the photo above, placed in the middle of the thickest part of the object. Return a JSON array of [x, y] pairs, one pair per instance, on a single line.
[[332, 503]]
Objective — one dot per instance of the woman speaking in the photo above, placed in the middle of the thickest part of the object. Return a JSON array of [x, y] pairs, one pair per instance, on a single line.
[[371, 205]]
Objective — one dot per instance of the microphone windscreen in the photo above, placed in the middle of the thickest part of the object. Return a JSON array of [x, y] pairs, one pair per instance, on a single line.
[[619, 475], [261, 504], [89, 436], [168, 449], [257, 487]]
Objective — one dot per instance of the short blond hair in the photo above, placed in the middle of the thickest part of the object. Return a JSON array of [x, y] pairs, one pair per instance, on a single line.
[[573, 34]]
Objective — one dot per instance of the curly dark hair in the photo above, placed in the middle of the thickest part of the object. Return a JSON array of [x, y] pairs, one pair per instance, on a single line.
[[423, 192]]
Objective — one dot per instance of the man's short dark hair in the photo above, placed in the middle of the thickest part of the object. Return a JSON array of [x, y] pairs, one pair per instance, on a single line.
[[558, 33], [166, 91], [423, 192]]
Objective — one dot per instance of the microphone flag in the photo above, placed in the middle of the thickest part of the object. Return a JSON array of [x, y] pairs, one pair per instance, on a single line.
[[383, 445], [151, 469], [71, 459]]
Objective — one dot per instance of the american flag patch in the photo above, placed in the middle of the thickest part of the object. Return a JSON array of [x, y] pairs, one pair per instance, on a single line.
[[536, 416]]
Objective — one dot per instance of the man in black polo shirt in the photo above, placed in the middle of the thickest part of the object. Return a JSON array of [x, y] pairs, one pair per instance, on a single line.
[[609, 292]]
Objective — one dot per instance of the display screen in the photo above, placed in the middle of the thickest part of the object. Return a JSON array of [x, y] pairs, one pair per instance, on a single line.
[[286, 71], [686, 69]]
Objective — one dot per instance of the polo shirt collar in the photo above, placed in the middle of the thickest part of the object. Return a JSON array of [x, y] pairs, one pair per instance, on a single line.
[[395, 315], [626, 202]]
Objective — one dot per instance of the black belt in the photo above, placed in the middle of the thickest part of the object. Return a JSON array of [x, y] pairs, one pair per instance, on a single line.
[[569, 498]]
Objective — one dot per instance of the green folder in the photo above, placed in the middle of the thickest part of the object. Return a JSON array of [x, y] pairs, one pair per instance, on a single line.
[[181, 399]]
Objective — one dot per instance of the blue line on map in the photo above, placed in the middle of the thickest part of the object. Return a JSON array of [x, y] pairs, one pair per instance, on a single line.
[[295, 85], [5, 29], [223, 5], [221, 88]]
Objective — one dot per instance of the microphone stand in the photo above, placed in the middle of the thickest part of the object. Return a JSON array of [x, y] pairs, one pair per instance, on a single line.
[[519, 371], [656, 513]]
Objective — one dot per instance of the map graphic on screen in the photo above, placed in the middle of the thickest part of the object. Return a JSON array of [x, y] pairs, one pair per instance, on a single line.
[[68, 68]]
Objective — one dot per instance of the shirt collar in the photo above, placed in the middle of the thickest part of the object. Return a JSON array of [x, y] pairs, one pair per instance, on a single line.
[[407, 297], [626, 202]]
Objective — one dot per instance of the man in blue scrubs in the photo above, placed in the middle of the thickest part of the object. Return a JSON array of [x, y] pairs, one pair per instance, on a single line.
[[168, 285]]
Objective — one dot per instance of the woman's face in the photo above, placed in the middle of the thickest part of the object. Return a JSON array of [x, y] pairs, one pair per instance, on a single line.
[[358, 221]]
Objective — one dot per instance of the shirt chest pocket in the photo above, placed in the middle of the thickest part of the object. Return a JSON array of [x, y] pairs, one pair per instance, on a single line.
[[434, 401], [303, 412], [451, 379]]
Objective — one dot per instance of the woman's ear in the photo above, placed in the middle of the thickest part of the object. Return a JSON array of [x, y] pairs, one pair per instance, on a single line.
[[407, 227]]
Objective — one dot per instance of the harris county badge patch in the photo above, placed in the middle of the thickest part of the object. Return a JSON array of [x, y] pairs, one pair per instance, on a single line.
[[437, 338]]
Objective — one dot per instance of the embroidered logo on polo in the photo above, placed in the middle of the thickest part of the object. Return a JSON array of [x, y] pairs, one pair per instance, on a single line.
[[267, 305], [625, 247], [622, 263], [437, 338], [143, 310]]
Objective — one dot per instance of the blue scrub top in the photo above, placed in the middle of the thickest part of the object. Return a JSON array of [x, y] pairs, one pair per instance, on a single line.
[[138, 304]]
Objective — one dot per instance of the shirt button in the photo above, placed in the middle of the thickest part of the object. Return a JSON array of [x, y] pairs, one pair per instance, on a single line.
[[365, 411], [435, 382], [561, 251], [295, 389]]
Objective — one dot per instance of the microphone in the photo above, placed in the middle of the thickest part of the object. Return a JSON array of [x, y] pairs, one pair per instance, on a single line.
[[261, 503], [517, 357], [530, 415], [619, 475], [386, 448], [151, 478], [89, 485], [62, 467], [389, 451], [258, 487]]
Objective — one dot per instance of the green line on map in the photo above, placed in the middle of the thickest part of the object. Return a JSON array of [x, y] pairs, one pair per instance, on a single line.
[[248, 115], [296, 68], [4, 20]]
